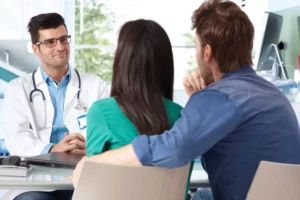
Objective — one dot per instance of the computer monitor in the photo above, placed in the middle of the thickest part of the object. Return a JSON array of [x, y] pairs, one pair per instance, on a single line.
[[268, 56]]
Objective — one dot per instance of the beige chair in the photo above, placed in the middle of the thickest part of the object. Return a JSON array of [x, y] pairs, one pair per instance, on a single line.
[[275, 181], [115, 182]]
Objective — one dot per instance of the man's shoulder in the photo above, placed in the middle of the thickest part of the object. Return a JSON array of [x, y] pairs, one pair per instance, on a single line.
[[244, 84]]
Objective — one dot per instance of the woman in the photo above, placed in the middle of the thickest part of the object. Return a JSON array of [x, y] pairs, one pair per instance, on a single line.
[[141, 92]]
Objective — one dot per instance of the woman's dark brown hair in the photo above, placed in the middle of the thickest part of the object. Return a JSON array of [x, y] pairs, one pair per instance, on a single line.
[[143, 73]]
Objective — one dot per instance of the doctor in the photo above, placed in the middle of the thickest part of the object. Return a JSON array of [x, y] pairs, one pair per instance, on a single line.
[[46, 109]]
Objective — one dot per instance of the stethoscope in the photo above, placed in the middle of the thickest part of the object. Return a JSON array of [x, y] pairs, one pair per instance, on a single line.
[[78, 106]]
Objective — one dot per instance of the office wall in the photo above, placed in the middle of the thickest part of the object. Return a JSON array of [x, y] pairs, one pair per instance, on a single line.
[[18, 56], [15, 15], [290, 34], [276, 5]]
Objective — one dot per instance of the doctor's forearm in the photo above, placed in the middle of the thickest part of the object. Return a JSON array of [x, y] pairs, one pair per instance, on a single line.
[[121, 156]]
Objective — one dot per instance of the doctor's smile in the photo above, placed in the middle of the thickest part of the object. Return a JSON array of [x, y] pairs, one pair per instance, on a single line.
[[60, 55]]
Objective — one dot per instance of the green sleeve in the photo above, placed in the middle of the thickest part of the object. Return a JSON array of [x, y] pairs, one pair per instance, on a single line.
[[98, 133]]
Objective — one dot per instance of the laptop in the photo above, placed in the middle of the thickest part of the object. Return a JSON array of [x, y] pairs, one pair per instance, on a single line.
[[55, 159]]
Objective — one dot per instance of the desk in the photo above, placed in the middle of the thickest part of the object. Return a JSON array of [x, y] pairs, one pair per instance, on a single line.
[[41, 178], [47, 178]]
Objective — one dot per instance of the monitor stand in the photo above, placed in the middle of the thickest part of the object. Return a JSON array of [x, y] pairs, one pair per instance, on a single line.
[[283, 71]]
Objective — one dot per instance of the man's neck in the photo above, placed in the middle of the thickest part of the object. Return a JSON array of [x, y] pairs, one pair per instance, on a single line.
[[217, 75], [56, 73]]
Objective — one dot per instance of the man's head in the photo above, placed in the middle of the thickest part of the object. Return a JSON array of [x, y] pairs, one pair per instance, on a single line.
[[224, 37], [50, 40]]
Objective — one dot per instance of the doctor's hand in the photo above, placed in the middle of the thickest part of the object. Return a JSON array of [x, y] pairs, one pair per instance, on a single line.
[[73, 143], [78, 140], [193, 83]]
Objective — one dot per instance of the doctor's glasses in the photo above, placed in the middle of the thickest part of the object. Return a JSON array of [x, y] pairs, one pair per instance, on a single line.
[[50, 43]]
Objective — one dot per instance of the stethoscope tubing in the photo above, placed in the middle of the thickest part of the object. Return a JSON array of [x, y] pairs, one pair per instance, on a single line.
[[35, 89]]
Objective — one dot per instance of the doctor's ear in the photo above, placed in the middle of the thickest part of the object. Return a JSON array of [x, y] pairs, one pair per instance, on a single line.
[[35, 49]]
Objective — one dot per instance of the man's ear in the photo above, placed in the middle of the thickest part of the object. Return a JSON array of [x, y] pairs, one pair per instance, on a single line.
[[208, 53], [35, 49]]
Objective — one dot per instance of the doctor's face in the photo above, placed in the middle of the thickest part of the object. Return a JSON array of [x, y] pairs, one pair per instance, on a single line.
[[57, 56]]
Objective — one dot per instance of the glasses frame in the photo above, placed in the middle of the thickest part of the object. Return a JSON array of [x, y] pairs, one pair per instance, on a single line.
[[55, 39]]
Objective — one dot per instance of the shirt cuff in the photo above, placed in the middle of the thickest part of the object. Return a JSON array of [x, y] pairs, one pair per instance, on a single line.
[[47, 148], [142, 150]]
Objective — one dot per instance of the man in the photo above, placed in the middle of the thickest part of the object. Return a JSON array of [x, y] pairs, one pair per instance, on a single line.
[[47, 108], [234, 123]]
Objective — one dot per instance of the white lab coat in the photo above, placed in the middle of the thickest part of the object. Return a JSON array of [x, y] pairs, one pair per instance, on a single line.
[[24, 141]]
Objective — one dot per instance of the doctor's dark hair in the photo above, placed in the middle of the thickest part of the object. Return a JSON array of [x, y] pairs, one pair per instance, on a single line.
[[228, 30], [143, 73], [44, 21]]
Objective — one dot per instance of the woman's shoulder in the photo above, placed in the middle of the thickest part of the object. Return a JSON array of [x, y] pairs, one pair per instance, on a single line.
[[171, 105], [106, 102], [105, 106], [173, 110]]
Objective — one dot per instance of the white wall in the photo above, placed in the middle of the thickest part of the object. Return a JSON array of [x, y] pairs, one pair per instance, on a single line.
[[255, 10], [15, 15], [275, 5]]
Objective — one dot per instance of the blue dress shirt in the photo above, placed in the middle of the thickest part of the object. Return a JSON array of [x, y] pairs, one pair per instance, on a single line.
[[233, 124], [58, 93]]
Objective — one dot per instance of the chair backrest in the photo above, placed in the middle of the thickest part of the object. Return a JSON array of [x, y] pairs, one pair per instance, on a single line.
[[275, 181], [115, 182]]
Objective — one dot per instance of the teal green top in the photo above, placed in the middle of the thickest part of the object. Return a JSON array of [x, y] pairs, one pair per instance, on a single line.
[[108, 127]]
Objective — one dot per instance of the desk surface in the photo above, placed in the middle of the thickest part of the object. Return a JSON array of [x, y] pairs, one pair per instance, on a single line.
[[40, 178], [47, 178]]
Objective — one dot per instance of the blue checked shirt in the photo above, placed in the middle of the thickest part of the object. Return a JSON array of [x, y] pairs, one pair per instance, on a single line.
[[58, 93]]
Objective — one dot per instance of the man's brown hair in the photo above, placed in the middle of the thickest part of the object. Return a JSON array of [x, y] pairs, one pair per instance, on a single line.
[[229, 32]]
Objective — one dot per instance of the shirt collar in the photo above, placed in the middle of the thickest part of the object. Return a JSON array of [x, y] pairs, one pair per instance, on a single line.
[[49, 80], [241, 70]]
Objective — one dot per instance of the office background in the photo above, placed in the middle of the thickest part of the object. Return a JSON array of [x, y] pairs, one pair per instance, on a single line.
[[94, 26]]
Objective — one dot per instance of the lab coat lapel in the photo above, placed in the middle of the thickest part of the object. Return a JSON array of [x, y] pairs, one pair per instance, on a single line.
[[42, 85], [72, 89]]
